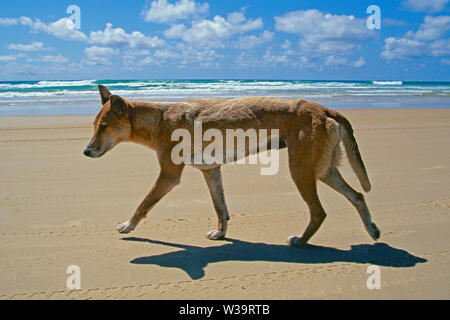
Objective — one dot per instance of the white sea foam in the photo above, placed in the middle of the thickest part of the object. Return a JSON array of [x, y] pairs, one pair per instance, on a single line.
[[47, 84], [180, 89], [388, 83]]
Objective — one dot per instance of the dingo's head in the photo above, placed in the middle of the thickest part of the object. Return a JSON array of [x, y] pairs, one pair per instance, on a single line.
[[111, 126]]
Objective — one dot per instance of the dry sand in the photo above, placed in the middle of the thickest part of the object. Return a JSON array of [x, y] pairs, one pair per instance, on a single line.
[[59, 208]]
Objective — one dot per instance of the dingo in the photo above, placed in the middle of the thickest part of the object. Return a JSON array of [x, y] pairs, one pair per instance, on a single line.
[[312, 134]]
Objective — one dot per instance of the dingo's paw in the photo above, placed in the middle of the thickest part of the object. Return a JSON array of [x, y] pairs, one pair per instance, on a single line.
[[215, 235], [374, 231], [126, 227], [296, 242]]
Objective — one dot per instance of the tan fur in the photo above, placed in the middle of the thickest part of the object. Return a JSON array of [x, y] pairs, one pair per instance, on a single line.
[[311, 132]]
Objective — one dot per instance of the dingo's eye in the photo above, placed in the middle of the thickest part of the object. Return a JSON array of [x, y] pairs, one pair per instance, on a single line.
[[102, 127]]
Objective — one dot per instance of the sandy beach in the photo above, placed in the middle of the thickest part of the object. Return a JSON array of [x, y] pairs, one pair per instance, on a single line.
[[59, 208]]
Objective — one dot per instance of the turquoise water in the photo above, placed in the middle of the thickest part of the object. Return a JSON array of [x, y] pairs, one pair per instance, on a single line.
[[81, 96]]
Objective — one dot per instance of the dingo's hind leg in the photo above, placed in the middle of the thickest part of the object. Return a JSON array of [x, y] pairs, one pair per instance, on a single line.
[[334, 179], [302, 173], [213, 179]]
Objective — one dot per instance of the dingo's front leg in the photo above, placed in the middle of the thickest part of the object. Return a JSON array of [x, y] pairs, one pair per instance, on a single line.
[[214, 180], [164, 184]]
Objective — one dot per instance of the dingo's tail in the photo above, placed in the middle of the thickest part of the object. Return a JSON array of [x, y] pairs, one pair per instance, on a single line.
[[352, 150]]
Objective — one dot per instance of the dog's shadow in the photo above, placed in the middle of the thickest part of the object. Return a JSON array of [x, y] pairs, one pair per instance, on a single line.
[[194, 259]]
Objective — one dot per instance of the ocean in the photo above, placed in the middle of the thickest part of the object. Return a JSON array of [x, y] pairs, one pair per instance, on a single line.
[[81, 96]]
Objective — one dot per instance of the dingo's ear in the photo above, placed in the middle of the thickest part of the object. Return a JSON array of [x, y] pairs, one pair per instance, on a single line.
[[104, 93], [118, 105]]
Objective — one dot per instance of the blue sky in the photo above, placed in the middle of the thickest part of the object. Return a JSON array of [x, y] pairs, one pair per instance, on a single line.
[[212, 39]]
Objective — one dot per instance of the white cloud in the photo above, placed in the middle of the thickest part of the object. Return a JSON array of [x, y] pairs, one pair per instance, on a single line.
[[63, 28], [426, 5], [432, 29], [134, 53], [304, 63], [8, 21], [54, 59], [249, 42], [146, 61], [440, 48], [324, 33], [129, 58], [246, 60], [162, 11], [402, 47], [272, 59], [33, 46], [286, 45], [94, 51], [117, 37], [7, 58], [361, 62], [165, 54], [213, 33], [183, 54], [175, 31], [99, 55], [113, 37], [334, 61], [204, 57], [426, 41], [14, 58]]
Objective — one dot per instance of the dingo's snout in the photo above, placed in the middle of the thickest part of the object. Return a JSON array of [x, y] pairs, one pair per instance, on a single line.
[[92, 152], [87, 152]]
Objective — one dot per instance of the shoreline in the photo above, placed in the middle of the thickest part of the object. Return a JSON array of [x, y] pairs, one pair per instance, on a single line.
[[63, 107]]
